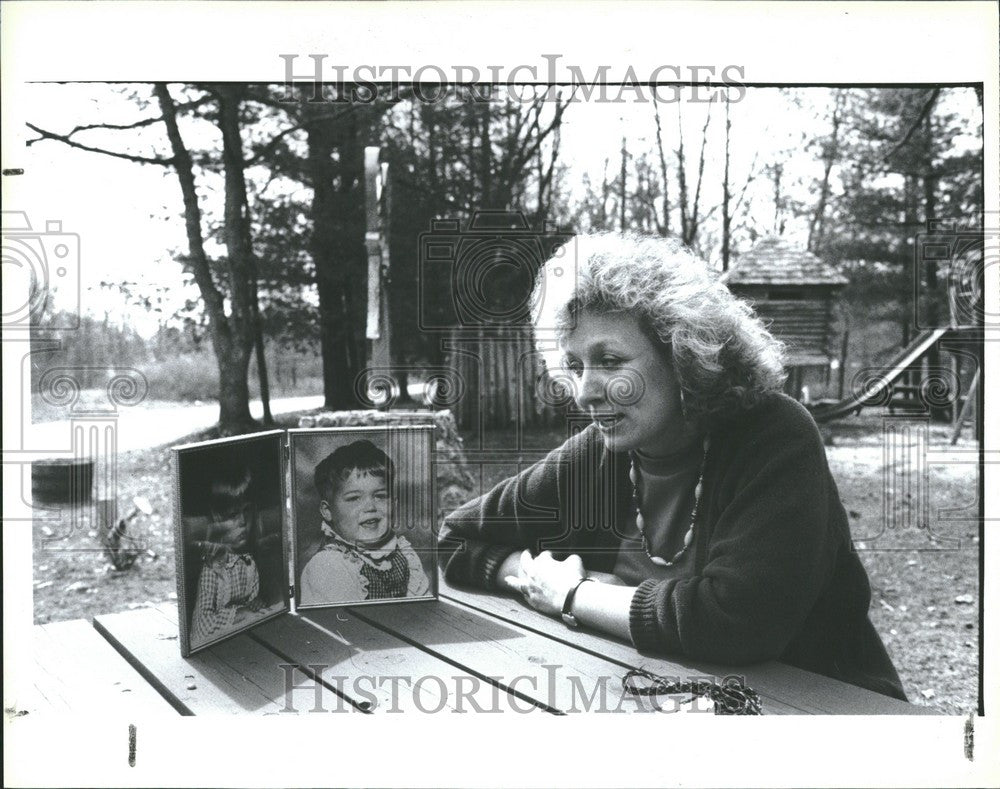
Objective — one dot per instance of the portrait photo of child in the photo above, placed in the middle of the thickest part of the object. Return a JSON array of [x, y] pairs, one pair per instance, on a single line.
[[230, 550], [362, 511]]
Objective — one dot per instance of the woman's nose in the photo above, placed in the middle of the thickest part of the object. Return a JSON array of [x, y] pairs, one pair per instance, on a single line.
[[590, 389]]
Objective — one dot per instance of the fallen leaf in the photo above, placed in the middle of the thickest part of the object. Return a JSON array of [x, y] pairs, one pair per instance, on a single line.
[[927, 694], [886, 606], [76, 586], [964, 599]]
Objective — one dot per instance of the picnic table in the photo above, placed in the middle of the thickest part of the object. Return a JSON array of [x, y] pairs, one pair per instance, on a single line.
[[467, 651]]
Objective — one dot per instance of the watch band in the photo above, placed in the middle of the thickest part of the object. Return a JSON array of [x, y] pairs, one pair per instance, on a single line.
[[567, 609]]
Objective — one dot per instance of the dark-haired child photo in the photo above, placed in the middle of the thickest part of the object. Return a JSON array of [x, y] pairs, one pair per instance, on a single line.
[[363, 555], [232, 568]]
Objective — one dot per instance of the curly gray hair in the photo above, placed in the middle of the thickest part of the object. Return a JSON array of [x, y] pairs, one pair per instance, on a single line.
[[723, 356]]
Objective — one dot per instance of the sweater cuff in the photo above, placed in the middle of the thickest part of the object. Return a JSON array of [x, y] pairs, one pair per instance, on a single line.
[[491, 560], [642, 622]]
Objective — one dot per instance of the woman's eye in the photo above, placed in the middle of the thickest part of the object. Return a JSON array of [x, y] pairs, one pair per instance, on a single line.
[[611, 361], [575, 368]]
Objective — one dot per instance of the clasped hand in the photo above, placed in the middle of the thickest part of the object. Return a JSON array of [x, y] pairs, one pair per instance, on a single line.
[[545, 581]]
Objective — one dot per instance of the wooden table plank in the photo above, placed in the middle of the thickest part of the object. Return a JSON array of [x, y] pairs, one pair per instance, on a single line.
[[549, 673], [77, 671], [235, 676], [784, 689], [367, 664]]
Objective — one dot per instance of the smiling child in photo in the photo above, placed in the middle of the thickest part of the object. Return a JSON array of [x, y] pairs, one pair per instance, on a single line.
[[363, 558]]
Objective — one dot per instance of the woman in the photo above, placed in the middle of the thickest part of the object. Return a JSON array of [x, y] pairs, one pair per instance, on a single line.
[[698, 500]]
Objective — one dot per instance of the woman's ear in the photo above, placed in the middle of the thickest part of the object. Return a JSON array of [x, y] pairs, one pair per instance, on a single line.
[[325, 512]]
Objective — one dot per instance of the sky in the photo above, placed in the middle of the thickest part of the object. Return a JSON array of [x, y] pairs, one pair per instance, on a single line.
[[129, 216]]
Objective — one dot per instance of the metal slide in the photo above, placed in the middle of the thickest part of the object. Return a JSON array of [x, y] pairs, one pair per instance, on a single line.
[[876, 391]]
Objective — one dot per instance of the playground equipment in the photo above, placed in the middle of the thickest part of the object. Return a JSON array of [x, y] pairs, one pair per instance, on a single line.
[[905, 382], [878, 389], [794, 292]]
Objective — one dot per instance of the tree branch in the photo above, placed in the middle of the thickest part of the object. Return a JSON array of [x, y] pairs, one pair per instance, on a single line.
[[65, 139], [924, 110], [197, 258]]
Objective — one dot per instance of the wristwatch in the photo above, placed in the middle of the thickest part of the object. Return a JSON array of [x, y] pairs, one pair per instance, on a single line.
[[567, 609]]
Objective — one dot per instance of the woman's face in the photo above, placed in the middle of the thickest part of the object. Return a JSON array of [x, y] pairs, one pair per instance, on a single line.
[[625, 382], [359, 509]]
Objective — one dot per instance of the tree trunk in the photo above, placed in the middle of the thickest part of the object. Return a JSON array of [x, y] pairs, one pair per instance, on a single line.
[[930, 212], [842, 370], [262, 379], [665, 224], [726, 218], [245, 318], [230, 342], [234, 394], [682, 177], [338, 252], [776, 172], [830, 155], [622, 193]]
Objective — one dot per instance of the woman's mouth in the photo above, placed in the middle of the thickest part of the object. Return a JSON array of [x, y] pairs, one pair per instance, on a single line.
[[607, 421], [370, 523]]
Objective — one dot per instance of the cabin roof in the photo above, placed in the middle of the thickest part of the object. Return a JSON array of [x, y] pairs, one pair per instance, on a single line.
[[775, 261]]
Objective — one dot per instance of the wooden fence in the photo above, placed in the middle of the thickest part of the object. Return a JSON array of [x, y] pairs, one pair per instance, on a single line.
[[499, 381]]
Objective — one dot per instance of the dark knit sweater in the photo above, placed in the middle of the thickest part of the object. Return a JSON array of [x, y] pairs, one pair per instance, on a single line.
[[775, 573]]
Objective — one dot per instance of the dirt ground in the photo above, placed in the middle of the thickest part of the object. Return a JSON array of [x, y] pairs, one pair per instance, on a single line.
[[921, 552]]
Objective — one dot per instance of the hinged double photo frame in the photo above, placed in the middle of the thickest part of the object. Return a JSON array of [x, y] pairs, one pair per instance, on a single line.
[[295, 519]]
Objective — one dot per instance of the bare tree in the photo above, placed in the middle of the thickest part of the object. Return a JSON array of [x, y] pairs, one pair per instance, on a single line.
[[830, 154], [690, 214], [235, 332], [726, 216], [664, 225]]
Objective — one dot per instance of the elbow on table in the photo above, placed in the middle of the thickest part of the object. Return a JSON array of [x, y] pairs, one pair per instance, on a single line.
[[741, 645]]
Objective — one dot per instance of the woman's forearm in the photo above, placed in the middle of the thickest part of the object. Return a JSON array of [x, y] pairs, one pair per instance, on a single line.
[[604, 607]]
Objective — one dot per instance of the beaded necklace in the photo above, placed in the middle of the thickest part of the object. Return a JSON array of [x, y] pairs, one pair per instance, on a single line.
[[640, 521]]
